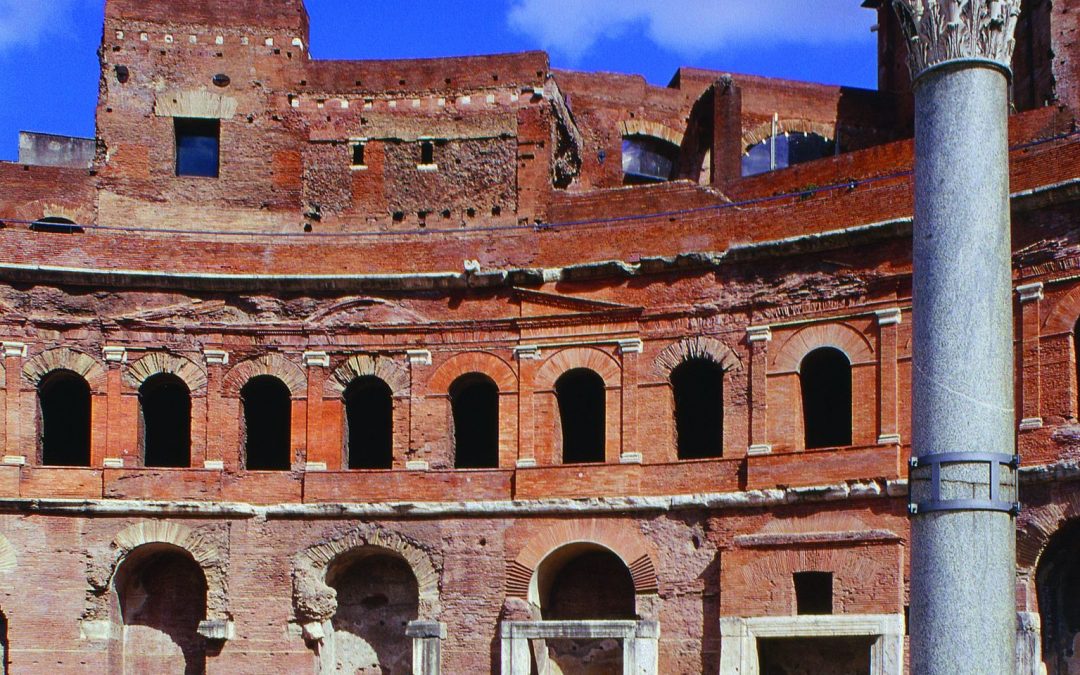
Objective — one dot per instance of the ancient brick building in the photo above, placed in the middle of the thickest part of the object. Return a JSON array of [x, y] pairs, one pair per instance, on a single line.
[[326, 366]]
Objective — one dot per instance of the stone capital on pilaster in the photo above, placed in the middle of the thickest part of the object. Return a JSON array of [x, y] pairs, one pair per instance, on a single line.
[[944, 31], [1030, 292], [888, 317], [527, 352], [631, 346], [758, 334], [419, 357], [114, 354], [15, 349], [316, 359], [216, 357]]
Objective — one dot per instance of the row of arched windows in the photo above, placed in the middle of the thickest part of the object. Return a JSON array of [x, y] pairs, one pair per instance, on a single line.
[[581, 397]]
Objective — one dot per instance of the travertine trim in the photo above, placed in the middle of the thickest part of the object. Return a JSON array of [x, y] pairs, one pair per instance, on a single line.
[[202, 104], [316, 359], [419, 357], [1030, 292], [888, 317], [156, 363], [395, 375], [216, 357], [14, 349], [8, 560], [759, 334], [940, 31], [114, 354]]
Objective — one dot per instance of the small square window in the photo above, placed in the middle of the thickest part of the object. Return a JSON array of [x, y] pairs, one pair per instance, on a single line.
[[814, 592], [358, 154], [197, 147], [427, 153]]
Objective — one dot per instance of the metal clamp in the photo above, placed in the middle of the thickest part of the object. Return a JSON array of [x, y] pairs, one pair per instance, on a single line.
[[994, 460]]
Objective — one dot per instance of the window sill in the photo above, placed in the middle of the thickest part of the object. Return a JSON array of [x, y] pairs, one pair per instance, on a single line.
[[358, 167], [427, 167]]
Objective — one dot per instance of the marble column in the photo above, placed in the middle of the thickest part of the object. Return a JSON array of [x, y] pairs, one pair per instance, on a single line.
[[963, 608]]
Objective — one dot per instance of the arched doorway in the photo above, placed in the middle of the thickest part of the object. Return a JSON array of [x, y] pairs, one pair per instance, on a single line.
[[377, 598], [161, 592], [1057, 582]]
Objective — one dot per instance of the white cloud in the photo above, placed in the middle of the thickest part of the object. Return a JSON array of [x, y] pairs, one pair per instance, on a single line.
[[690, 27], [23, 23]]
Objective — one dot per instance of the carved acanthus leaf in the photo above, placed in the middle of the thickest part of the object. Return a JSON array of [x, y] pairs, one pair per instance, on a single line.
[[939, 31]]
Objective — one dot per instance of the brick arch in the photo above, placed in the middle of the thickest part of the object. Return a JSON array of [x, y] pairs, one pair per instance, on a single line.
[[207, 554], [699, 347], [1037, 526], [395, 375], [590, 358], [269, 364], [622, 539], [65, 358], [474, 362], [763, 131], [1063, 316], [639, 127], [156, 363], [315, 601], [839, 335]]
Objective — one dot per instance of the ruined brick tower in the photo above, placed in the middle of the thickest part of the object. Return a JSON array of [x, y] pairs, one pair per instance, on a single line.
[[471, 365]]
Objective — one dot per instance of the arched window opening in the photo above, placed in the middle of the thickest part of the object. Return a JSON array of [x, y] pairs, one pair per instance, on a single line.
[[377, 597], [1057, 580], [369, 414], [64, 401], [56, 225], [162, 597], [268, 424], [784, 150], [165, 403], [585, 582], [825, 378], [698, 389], [581, 396], [474, 400], [647, 159]]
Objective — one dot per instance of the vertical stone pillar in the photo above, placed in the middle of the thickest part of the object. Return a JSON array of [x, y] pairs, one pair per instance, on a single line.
[[1030, 296], [888, 320], [15, 446], [427, 637], [641, 653], [962, 482], [515, 657], [115, 358], [1028, 644], [528, 359], [216, 419], [630, 350], [418, 358], [758, 338], [315, 459]]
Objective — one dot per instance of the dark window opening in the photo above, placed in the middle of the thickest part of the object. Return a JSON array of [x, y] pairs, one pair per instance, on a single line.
[[648, 160], [1076, 363], [427, 153], [698, 387], [64, 398], [56, 225], [580, 394], [594, 585], [369, 413], [814, 592], [5, 658], [825, 377], [358, 154], [1057, 583], [166, 421], [474, 400], [790, 149], [197, 147], [268, 424]]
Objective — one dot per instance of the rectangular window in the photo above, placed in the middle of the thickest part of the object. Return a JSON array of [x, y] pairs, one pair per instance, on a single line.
[[358, 154], [814, 592], [427, 153], [197, 147]]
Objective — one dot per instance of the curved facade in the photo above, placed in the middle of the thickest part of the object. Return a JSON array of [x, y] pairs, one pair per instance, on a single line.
[[460, 394]]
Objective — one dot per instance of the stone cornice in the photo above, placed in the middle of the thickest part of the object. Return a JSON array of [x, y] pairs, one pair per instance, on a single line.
[[943, 31]]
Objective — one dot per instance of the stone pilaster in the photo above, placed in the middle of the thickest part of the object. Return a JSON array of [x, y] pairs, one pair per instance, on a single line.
[[315, 458], [1030, 297], [14, 445], [888, 321], [216, 416], [758, 338], [427, 637], [630, 352]]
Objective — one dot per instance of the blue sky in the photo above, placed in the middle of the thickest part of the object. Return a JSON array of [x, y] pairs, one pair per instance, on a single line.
[[48, 48]]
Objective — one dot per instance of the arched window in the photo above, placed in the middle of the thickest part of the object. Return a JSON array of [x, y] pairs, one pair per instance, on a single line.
[[268, 424], [162, 597], [166, 421], [825, 377], [64, 401], [56, 225], [369, 414], [377, 597], [784, 150], [580, 394], [698, 388], [647, 159], [474, 399]]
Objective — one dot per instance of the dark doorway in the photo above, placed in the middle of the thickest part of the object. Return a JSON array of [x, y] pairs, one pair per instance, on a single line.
[[268, 424], [698, 387], [64, 400], [166, 421], [369, 413], [1057, 582], [474, 400], [580, 393], [825, 377]]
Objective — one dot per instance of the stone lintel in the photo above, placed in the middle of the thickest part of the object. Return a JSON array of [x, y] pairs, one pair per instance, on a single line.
[[426, 629], [217, 629]]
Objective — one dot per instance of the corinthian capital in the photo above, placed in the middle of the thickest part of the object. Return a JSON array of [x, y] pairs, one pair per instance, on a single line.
[[940, 31]]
